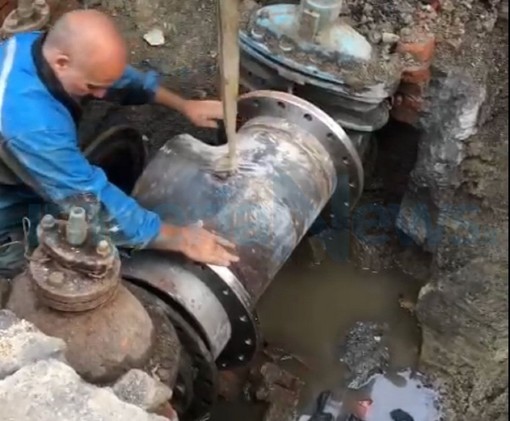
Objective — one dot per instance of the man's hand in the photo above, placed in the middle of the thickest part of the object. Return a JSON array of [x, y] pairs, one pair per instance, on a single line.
[[204, 113], [197, 244]]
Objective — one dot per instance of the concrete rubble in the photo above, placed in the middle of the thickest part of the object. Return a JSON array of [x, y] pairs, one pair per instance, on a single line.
[[37, 384]]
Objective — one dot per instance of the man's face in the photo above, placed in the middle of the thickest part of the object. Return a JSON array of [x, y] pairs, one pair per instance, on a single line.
[[80, 81]]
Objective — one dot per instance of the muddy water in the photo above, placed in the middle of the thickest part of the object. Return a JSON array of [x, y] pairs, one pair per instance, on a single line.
[[309, 309]]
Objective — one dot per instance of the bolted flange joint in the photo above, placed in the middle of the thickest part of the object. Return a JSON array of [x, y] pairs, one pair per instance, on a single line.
[[73, 270], [72, 290]]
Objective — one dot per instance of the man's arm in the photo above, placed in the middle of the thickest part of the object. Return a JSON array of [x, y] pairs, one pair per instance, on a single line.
[[138, 88], [60, 172]]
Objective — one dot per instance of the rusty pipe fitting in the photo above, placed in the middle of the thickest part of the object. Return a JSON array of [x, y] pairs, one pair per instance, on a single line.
[[76, 294]]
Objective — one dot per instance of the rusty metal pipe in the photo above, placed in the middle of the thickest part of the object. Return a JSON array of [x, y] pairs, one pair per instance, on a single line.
[[292, 157]]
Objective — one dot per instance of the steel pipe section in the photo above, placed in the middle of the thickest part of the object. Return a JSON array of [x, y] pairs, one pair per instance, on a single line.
[[292, 158]]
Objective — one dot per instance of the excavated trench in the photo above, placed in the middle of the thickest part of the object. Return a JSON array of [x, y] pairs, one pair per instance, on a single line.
[[434, 174]]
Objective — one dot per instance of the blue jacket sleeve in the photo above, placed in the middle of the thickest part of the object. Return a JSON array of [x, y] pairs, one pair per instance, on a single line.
[[57, 167], [134, 87]]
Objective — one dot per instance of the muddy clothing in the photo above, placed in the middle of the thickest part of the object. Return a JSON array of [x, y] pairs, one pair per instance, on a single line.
[[40, 159]]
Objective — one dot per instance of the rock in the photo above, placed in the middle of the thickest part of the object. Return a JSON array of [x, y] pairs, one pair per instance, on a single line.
[[374, 37], [364, 353], [154, 37], [389, 38], [51, 390], [140, 389], [22, 344]]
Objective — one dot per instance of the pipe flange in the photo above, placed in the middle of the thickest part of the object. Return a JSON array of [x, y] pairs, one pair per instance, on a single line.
[[96, 258], [73, 278], [70, 291], [315, 121], [33, 19], [245, 340], [222, 287], [165, 272]]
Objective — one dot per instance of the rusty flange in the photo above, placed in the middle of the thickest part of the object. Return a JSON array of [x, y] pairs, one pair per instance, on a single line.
[[71, 278], [72, 290]]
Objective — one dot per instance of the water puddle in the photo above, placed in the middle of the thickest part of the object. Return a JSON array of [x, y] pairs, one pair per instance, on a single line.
[[308, 311]]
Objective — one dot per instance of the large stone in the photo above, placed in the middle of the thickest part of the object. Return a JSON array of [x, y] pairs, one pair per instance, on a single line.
[[142, 390], [22, 344], [51, 390]]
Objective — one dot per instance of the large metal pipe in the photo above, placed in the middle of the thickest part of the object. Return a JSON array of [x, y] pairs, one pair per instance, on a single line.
[[292, 157]]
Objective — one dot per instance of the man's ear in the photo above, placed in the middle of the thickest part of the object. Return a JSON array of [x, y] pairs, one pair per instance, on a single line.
[[62, 62]]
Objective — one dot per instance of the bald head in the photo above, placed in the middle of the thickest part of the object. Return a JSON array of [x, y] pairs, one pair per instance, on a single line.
[[86, 45]]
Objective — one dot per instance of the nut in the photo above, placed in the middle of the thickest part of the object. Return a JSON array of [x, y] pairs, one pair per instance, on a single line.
[[47, 222], [103, 248]]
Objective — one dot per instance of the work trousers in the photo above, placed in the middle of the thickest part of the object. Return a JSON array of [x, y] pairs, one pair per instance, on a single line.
[[18, 223]]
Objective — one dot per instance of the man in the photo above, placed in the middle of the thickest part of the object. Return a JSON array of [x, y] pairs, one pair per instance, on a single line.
[[43, 78]]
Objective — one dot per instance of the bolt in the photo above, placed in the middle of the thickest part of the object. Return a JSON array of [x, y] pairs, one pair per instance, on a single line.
[[47, 222], [76, 230], [103, 248], [56, 278], [40, 3]]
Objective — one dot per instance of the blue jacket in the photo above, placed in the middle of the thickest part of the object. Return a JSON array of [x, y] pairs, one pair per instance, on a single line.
[[38, 125]]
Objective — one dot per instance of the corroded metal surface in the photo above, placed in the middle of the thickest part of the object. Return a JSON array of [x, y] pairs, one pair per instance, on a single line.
[[71, 278], [217, 303], [194, 389], [74, 292], [167, 352], [102, 344], [291, 158]]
